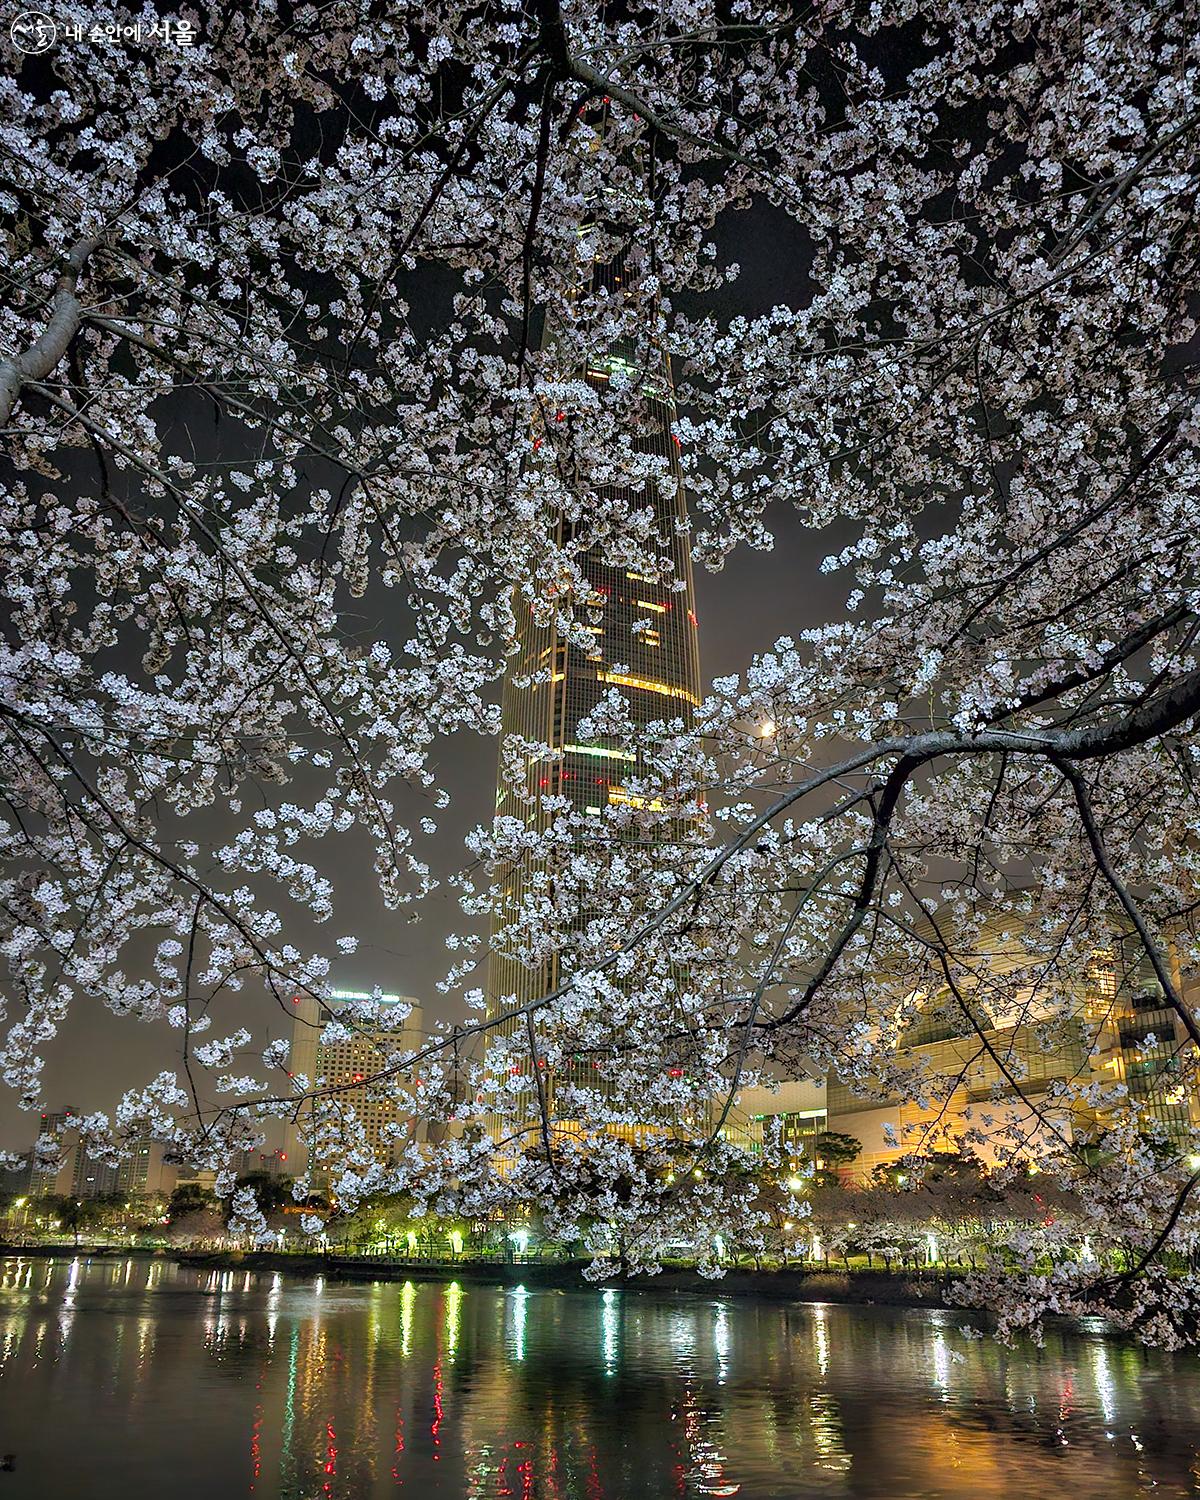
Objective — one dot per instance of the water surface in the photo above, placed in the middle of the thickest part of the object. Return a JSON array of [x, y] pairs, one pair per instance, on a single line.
[[139, 1378]]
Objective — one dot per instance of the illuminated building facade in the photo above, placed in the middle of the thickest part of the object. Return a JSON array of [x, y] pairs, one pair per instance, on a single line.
[[794, 1111], [1125, 1033], [1141, 1042], [92, 1177], [644, 644], [984, 1099], [266, 1164], [143, 1171], [347, 1063]]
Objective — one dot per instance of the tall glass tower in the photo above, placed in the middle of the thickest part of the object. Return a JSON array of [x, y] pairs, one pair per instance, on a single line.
[[655, 667]]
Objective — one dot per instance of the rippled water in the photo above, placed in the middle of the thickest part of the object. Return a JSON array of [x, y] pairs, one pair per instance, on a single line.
[[139, 1378]]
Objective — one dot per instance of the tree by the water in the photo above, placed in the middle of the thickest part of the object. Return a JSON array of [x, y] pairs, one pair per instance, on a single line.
[[270, 341]]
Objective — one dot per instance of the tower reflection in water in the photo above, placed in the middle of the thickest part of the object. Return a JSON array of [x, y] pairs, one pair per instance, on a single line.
[[127, 1376]]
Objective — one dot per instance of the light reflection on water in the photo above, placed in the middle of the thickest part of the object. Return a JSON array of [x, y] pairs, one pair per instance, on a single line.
[[131, 1377]]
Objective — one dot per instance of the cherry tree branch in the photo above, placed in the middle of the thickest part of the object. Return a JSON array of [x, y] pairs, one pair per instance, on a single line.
[[39, 359]]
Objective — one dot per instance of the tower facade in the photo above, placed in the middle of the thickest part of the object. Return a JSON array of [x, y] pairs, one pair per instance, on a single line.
[[347, 1062], [60, 1180], [643, 643]]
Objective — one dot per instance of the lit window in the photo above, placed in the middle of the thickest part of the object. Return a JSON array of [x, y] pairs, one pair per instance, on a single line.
[[621, 798], [599, 752], [621, 679]]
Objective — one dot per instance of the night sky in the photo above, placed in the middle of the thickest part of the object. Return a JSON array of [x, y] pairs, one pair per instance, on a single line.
[[743, 609]]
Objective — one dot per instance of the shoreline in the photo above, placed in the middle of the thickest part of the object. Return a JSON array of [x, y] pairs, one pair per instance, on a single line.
[[855, 1288]]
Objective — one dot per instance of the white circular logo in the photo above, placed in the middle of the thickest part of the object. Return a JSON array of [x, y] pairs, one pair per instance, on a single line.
[[32, 32]]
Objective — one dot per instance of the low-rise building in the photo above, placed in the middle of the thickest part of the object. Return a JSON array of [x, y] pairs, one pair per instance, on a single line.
[[997, 1074]]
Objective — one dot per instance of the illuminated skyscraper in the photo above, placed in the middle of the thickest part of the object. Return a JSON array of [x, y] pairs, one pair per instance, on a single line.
[[644, 644], [347, 1063]]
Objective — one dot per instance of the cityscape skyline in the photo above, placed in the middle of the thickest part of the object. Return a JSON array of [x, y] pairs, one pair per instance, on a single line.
[[738, 612], [600, 751]]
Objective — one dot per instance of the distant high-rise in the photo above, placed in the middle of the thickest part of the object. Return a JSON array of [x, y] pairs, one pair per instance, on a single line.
[[644, 644], [141, 1171], [60, 1180], [92, 1177], [144, 1171], [347, 1064]]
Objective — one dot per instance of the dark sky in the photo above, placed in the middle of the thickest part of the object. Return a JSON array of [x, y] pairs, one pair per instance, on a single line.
[[744, 609]]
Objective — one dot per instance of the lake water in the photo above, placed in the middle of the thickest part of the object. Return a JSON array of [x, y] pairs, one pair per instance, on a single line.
[[140, 1378]]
